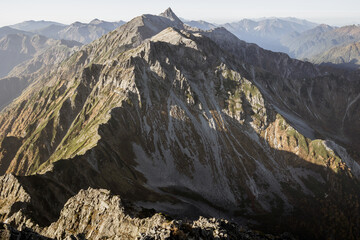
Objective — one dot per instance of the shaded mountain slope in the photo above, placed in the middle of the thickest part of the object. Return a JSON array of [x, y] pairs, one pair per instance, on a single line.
[[11, 88]]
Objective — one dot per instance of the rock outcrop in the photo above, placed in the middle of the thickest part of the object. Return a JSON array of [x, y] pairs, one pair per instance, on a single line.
[[96, 214]]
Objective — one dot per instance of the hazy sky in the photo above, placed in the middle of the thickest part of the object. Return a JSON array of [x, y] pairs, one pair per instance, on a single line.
[[68, 11]]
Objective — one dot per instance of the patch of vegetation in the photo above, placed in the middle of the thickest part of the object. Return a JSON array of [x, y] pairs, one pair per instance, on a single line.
[[281, 122], [301, 141], [229, 75], [318, 149], [250, 89]]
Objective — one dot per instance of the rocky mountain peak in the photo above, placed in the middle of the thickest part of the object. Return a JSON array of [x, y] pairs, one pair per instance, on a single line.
[[170, 15], [77, 24], [323, 28], [95, 21]]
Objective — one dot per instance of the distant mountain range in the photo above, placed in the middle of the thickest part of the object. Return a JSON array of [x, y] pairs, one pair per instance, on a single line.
[[33, 26], [77, 31], [22, 41], [269, 32], [299, 38], [82, 32], [266, 32]]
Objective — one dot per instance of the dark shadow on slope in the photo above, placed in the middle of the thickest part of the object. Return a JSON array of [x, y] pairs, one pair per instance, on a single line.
[[8, 232], [351, 66]]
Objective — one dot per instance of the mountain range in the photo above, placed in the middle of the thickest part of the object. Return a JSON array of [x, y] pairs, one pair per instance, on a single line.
[[77, 31], [31, 26], [300, 39], [33, 44], [143, 130], [267, 32]]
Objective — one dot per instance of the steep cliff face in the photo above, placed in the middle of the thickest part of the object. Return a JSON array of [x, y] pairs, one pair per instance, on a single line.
[[175, 118]]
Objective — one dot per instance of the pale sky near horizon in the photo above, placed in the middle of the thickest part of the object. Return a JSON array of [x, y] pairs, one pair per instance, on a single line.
[[219, 11]]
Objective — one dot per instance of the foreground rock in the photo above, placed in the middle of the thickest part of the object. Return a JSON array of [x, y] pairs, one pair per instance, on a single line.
[[96, 214]]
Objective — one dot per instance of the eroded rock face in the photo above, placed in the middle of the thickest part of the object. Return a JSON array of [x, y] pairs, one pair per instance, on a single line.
[[96, 214]]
